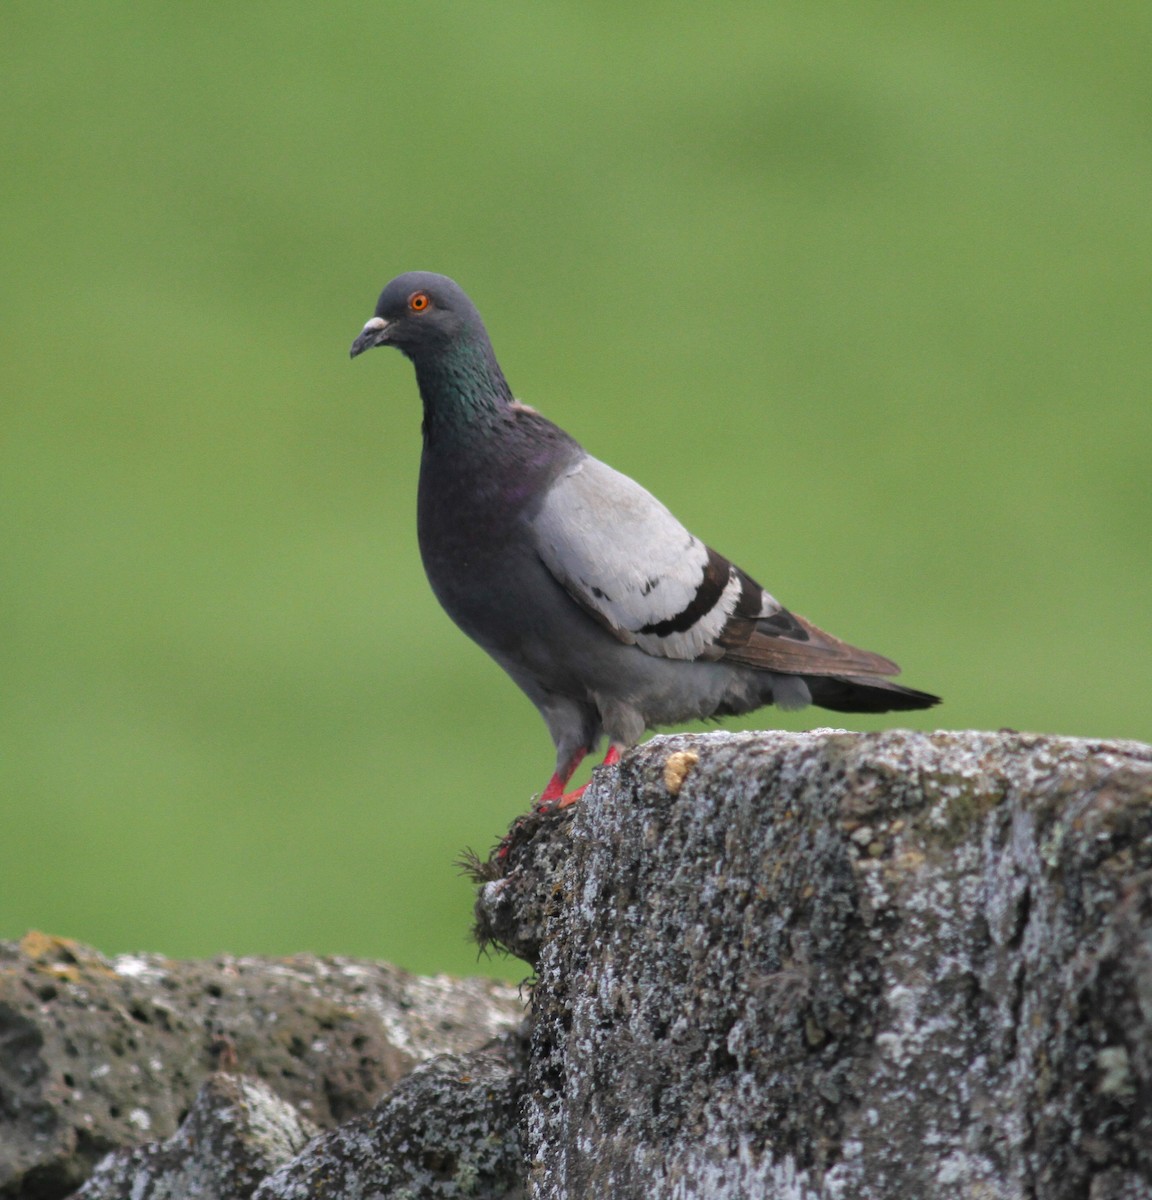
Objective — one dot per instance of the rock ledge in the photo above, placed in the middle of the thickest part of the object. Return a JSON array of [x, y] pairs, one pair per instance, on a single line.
[[803, 966]]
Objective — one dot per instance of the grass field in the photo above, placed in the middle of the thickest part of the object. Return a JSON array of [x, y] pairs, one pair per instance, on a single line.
[[861, 292]]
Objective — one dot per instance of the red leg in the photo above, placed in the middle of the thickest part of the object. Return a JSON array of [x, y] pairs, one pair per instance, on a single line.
[[554, 796], [555, 789]]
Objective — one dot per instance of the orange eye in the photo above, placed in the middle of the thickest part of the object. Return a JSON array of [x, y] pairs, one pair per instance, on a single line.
[[418, 302]]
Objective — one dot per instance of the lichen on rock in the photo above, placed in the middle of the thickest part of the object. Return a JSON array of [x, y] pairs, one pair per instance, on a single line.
[[822, 966], [851, 965], [99, 1054]]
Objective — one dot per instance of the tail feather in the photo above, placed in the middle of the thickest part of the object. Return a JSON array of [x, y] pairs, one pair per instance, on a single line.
[[846, 693], [788, 643], [809, 665]]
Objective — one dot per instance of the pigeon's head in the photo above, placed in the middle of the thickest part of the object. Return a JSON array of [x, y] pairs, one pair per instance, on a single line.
[[420, 314]]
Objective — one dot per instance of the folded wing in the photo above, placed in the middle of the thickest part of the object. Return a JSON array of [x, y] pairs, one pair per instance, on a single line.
[[636, 569]]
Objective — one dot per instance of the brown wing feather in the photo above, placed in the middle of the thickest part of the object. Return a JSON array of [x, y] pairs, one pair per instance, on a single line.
[[818, 654]]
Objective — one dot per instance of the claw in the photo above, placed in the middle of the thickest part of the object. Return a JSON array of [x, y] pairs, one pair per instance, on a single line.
[[553, 797]]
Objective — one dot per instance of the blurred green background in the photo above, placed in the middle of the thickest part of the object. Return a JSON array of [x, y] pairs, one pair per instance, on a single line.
[[860, 291]]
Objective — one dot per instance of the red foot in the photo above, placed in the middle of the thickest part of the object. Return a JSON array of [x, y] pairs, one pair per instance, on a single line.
[[553, 797], [568, 798], [555, 789]]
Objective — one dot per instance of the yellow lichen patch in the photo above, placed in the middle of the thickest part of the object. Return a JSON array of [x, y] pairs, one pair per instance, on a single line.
[[677, 767], [45, 947], [62, 958], [909, 861]]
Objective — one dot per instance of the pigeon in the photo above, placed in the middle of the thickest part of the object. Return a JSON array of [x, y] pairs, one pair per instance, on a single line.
[[606, 611]]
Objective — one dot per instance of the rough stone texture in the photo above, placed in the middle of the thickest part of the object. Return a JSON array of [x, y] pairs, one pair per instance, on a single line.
[[236, 1134], [837, 965], [522, 891], [791, 966], [98, 1054], [450, 1129]]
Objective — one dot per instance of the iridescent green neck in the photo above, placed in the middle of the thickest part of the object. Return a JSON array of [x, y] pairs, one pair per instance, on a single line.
[[462, 387]]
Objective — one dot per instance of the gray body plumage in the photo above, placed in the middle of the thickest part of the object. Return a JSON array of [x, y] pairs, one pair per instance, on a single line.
[[595, 599], [503, 590]]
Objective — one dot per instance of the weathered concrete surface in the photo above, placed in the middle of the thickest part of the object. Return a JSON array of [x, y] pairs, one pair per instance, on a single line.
[[237, 1133], [98, 1054], [806, 966], [450, 1129], [837, 965]]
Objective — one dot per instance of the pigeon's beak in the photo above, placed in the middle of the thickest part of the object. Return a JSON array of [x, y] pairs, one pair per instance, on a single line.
[[375, 333]]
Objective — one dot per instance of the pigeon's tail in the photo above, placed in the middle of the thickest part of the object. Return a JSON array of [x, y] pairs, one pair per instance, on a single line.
[[804, 665], [847, 693]]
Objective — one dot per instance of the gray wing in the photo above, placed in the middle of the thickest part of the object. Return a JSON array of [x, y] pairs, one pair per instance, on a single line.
[[631, 564], [635, 568]]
